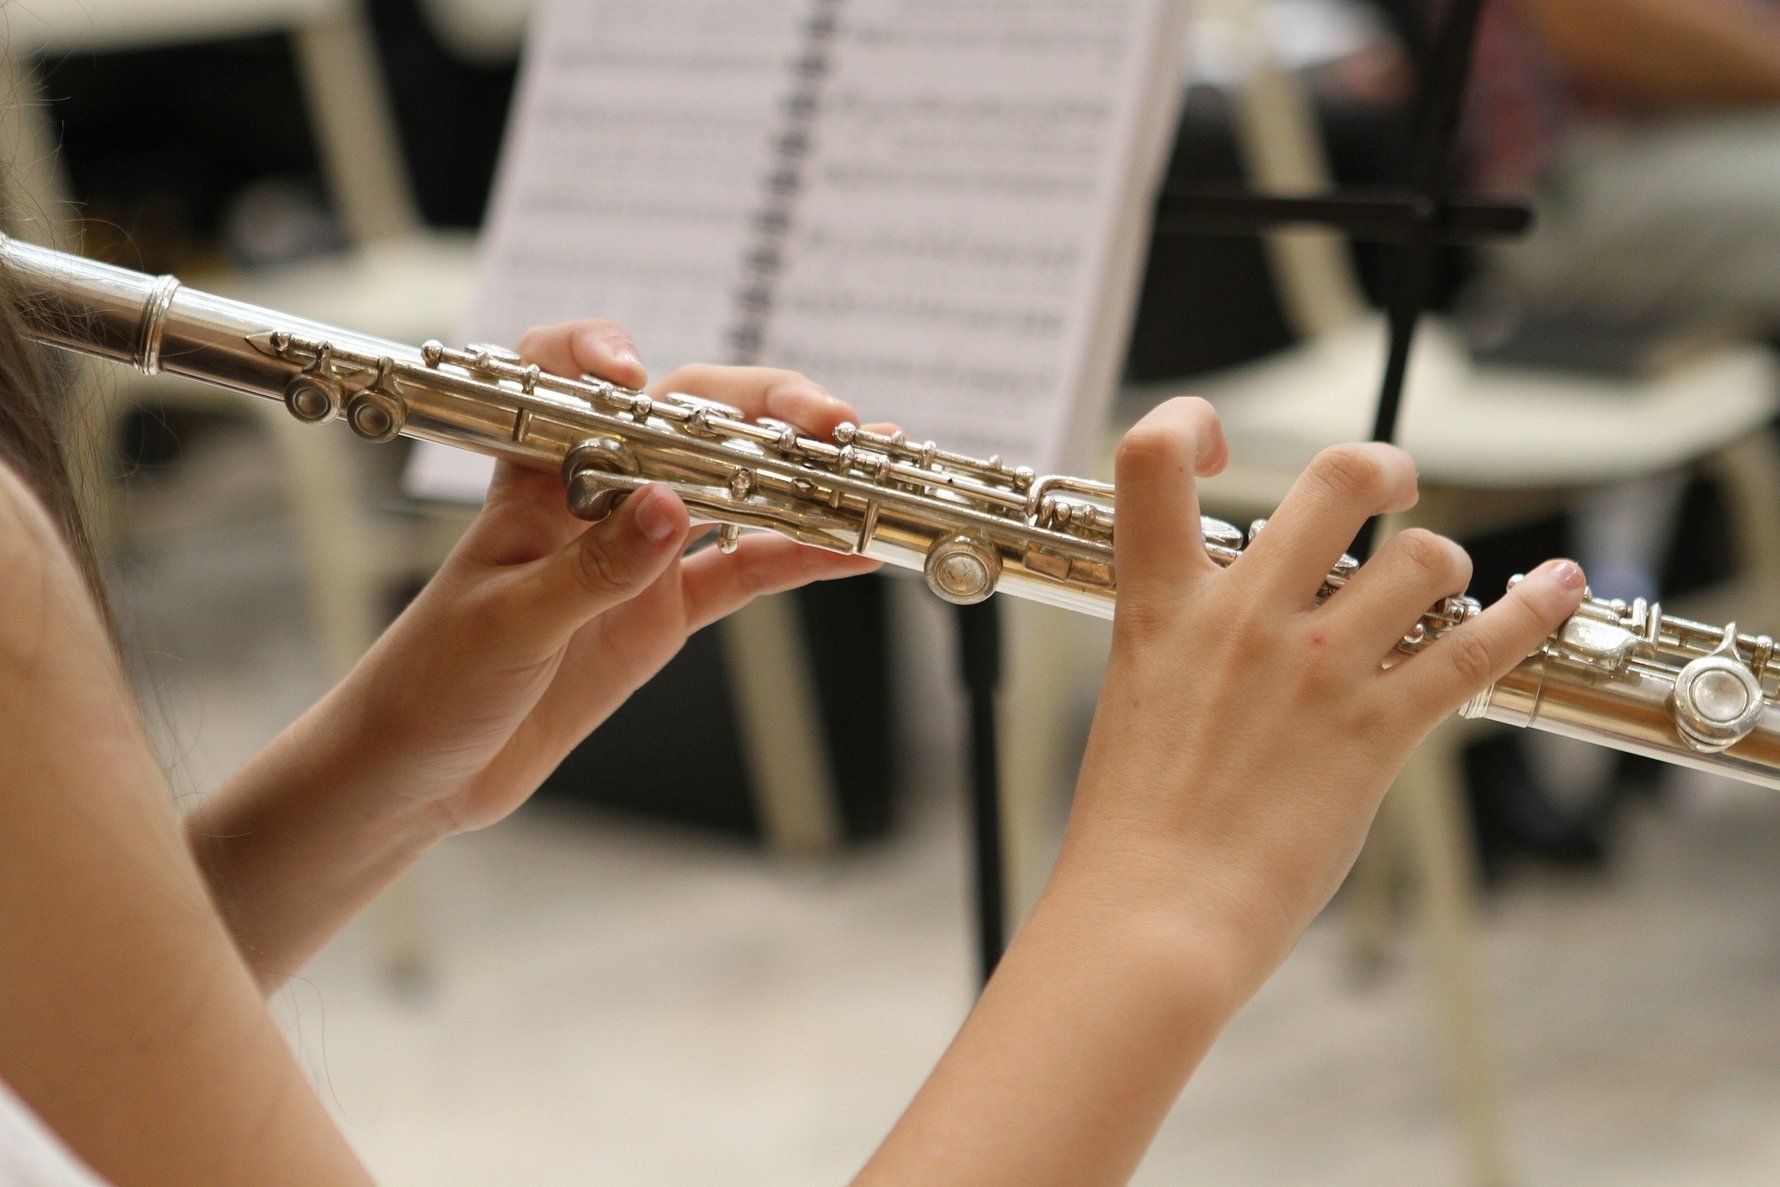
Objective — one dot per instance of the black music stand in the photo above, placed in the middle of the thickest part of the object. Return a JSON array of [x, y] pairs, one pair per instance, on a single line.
[[1422, 214]]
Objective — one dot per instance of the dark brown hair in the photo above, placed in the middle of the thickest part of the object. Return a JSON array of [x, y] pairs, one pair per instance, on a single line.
[[31, 435]]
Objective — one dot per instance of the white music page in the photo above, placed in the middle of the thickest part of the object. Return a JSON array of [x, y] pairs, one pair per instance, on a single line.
[[937, 208]]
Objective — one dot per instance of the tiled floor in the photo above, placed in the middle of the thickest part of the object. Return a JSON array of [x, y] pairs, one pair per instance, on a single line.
[[617, 1003]]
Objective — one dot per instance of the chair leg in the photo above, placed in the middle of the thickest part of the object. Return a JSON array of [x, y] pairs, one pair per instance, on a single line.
[[1749, 474], [345, 585], [1368, 897], [397, 919], [346, 595], [769, 667], [1432, 792], [1053, 655]]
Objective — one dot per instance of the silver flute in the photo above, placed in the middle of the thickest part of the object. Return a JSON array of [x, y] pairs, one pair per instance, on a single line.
[[1616, 674]]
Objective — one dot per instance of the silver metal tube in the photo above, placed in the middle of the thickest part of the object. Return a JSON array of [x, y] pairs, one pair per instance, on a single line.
[[1616, 674]]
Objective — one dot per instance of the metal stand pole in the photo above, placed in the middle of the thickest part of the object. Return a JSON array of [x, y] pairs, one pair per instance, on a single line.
[[979, 670]]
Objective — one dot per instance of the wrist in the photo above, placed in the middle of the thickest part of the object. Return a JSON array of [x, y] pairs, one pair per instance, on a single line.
[[302, 838], [342, 752], [1103, 1005], [1233, 933]]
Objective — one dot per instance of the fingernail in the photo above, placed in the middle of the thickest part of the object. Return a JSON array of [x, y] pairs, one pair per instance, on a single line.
[[625, 355], [652, 515], [1566, 573]]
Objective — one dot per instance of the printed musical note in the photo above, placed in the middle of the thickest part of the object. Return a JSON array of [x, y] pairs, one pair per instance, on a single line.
[[935, 207]]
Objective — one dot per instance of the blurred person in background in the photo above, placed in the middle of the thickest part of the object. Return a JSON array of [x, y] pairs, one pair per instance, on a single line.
[[1648, 134]]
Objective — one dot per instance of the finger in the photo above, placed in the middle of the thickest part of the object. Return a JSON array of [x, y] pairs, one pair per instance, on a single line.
[[1158, 545], [1388, 596], [524, 516], [1338, 492], [763, 391], [716, 584], [610, 562], [603, 349], [1477, 653]]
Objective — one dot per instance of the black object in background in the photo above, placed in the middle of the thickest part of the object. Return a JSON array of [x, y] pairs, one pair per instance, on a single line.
[[1208, 299], [673, 751], [450, 114], [1606, 344], [157, 180], [979, 671]]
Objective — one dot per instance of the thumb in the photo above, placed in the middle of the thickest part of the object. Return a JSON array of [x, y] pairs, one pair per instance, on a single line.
[[615, 559]]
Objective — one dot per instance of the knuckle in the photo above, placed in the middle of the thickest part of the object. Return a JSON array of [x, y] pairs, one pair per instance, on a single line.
[[791, 385], [1470, 658], [1195, 413], [1325, 664], [1159, 607], [590, 339], [1247, 616], [598, 572], [1444, 562], [1349, 474], [1151, 448], [1527, 618], [803, 382], [601, 327]]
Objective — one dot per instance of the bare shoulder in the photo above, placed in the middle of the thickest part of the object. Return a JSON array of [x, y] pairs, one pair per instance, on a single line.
[[25, 526], [40, 583]]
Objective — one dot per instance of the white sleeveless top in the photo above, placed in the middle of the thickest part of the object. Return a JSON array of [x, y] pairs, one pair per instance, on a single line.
[[32, 1156]]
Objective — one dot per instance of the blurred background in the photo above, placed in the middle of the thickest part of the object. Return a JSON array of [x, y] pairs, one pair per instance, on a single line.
[[638, 979]]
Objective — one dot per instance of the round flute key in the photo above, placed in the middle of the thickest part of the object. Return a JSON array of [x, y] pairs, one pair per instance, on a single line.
[[1716, 702], [313, 399], [1720, 696], [376, 415], [962, 569]]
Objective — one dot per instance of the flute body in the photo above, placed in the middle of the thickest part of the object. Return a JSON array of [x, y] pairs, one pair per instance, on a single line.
[[1618, 674]]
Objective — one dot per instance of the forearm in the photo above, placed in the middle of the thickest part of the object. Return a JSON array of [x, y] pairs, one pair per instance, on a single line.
[[303, 838], [1104, 1004], [1664, 52], [126, 1020], [131, 1027]]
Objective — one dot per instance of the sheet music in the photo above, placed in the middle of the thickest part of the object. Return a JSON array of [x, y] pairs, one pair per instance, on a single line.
[[974, 161], [934, 207]]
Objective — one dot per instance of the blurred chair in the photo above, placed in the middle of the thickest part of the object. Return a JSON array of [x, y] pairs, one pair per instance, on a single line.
[[765, 645], [480, 30], [401, 280], [1495, 446], [397, 278]]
